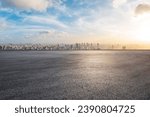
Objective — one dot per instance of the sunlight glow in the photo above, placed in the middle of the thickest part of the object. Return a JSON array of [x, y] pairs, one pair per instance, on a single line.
[[142, 28]]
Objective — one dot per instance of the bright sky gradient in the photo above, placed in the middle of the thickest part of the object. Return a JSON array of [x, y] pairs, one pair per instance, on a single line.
[[70, 21]]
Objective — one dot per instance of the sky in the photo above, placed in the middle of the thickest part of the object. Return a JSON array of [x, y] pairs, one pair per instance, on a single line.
[[71, 21]]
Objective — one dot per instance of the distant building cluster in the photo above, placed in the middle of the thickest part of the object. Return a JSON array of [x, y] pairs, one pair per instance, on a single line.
[[55, 47]]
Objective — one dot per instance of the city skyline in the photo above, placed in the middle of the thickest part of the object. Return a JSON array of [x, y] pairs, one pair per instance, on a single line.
[[73, 46], [71, 21]]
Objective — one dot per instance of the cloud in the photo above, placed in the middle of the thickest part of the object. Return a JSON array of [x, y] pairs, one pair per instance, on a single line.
[[46, 20], [117, 3], [48, 36], [38, 5], [80, 20], [4, 24], [142, 8]]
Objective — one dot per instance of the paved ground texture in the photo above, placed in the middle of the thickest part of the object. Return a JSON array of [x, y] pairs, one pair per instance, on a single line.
[[75, 75]]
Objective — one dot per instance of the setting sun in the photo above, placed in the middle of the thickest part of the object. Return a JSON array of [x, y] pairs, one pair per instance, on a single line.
[[143, 34], [142, 28]]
